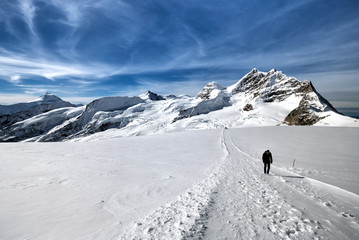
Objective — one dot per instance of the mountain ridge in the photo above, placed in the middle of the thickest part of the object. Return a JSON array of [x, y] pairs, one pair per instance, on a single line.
[[47, 99], [257, 99]]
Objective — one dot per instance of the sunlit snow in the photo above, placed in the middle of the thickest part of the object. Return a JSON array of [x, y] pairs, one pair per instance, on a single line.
[[186, 184]]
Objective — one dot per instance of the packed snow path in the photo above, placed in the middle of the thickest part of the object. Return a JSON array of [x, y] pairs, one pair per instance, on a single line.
[[239, 202]]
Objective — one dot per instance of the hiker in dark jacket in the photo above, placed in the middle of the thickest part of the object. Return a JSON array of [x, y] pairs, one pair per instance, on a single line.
[[267, 160]]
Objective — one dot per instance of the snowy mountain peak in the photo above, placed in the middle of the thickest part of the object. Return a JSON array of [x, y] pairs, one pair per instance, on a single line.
[[269, 86], [254, 70], [210, 91], [48, 98], [41, 104], [151, 96], [273, 70]]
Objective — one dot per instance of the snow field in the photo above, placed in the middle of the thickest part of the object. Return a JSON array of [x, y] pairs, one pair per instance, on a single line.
[[237, 201], [184, 218], [93, 190], [327, 154], [183, 185]]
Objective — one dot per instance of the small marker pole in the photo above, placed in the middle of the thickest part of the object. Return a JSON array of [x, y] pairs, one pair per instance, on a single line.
[[293, 163]]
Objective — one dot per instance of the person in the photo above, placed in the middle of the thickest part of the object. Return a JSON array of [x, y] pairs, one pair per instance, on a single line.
[[267, 160]]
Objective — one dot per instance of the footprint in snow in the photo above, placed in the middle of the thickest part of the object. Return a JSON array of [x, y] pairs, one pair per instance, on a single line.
[[346, 214], [328, 204]]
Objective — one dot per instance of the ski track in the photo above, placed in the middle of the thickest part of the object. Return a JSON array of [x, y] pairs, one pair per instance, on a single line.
[[237, 201]]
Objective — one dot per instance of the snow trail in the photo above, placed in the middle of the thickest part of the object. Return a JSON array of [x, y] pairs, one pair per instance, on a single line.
[[249, 207], [238, 201]]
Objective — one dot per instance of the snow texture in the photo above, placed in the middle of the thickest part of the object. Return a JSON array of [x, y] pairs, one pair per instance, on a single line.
[[206, 184]]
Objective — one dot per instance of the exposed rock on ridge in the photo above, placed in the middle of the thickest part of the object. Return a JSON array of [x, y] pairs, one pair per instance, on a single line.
[[271, 86], [258, 99], [311, 109]]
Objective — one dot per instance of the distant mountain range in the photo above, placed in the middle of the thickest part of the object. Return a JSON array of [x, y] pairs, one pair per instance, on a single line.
[[258, 99]]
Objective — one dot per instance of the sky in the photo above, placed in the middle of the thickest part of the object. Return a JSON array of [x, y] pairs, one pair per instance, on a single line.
[[85, 49]]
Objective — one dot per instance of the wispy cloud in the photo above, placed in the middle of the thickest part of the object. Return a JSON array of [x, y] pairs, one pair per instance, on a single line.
[[28, 10], [15, 66], [15, 79], [94, 45]]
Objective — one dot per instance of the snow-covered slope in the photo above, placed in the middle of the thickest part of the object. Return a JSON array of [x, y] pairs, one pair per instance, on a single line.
[[99, 115], [206, 184], [258, 99], [150, 96], [48, 99], [26, 121], [33, 128]]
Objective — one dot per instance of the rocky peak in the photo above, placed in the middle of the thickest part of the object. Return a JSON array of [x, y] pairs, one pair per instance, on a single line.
[[151, 96], [311, 109], [270, 86], [250, 81], [210, 91], [254, 70]]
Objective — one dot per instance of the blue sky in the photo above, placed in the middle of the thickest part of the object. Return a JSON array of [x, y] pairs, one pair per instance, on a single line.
[[84, 49]]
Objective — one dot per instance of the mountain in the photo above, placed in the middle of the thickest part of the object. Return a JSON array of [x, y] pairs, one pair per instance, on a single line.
[[99, 115], [47, 101], [212, 97], [258, 99], [15, 119], [152, 96], [11, 114], [276, 86]]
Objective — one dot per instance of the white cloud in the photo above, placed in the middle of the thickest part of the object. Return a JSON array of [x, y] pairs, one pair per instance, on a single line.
[[28, 10], [17, 65], [16, 79]]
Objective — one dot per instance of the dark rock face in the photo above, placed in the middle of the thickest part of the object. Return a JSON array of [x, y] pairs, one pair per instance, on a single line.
[[302, 115], [271, 86], [254, 80], [154, 96], [307, 112], [275, 86], [248, 107]]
